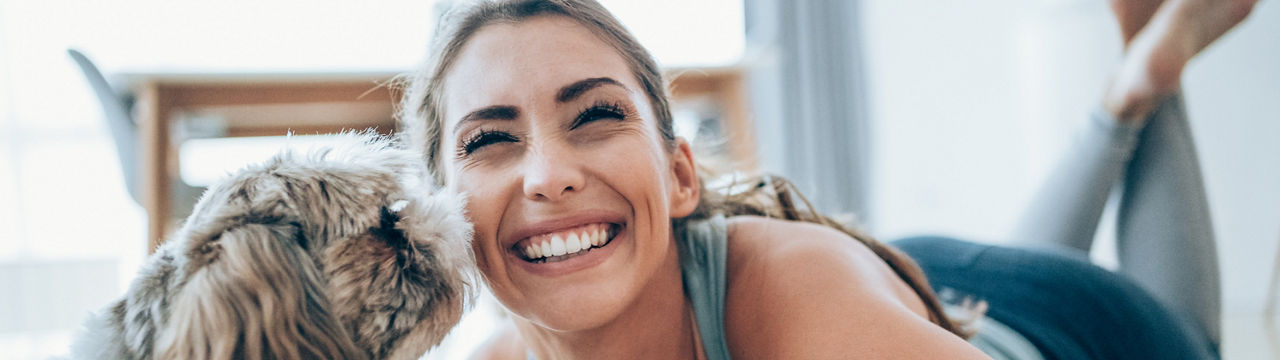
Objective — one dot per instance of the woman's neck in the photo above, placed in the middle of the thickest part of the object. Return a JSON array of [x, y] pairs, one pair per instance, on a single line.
[[658, 325]]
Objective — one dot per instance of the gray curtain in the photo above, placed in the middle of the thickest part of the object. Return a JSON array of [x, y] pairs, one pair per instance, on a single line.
[[804, 67]]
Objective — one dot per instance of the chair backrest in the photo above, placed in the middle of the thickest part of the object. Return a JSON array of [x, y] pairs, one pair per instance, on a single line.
[[123, 128]]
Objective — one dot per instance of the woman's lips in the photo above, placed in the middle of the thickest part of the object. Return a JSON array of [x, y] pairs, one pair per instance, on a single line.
[[601, 228], [564, 244], [556, 266], [527, 230]]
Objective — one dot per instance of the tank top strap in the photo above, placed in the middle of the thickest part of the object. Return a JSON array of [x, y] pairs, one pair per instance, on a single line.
[[703, 247]]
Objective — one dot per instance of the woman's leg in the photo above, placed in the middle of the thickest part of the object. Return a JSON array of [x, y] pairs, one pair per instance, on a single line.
[[1066, 210], [1067, 307], [1064, 214], [1164, 234]]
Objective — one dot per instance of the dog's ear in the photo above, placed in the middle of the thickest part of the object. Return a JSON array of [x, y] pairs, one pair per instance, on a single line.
[[253, 292], [393, 291]]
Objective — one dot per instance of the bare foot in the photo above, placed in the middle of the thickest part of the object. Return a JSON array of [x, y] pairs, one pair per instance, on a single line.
[[1152, 68], [1133, 15]]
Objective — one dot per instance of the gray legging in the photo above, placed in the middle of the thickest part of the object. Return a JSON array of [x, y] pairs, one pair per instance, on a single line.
[[1163, 304], [1164, 234]]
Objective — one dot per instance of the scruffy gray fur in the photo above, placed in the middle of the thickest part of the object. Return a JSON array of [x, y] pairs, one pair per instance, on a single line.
[[341, 253]]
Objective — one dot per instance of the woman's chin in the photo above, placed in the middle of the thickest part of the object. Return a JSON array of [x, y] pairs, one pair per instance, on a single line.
[[576, 309], [583, 292], [578, 296]]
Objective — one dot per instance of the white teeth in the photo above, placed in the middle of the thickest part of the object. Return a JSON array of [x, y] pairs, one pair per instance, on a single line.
[[574, 242], [557, 245], [572, 245]]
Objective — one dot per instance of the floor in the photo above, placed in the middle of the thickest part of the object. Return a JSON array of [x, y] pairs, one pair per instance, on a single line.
[[1250, 336]]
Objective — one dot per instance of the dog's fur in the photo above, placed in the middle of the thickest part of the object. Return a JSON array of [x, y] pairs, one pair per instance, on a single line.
[[342, 253]]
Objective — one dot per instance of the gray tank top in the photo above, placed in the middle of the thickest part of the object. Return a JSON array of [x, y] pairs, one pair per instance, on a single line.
[[704, 246], [704, 250]]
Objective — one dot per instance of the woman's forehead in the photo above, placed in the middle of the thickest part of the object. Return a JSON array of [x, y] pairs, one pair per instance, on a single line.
[[528, 62]]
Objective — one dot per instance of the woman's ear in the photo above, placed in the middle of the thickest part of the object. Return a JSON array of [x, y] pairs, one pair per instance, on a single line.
[[687, 189]]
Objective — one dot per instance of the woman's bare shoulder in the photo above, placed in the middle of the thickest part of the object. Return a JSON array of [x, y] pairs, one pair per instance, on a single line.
[[800, 289], [767, 247], [780, 246]]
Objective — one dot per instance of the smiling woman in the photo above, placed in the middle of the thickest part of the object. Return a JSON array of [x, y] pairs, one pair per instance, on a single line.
[[597, 233], [556, 123], [562, 165]]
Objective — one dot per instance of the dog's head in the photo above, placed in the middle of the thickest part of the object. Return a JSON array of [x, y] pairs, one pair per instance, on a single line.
[[341, 253]]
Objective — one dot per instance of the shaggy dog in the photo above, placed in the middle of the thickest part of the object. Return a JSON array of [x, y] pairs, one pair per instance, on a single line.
[[340, 254]]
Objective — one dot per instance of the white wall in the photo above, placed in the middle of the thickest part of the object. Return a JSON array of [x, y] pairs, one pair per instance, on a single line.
[[972, 101]]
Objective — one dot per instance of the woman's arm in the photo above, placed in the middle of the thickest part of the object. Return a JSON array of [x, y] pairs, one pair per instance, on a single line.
[[802, 290]]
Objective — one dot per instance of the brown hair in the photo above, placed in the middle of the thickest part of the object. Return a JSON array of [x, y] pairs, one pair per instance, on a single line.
[[421, 111], [421, 117]]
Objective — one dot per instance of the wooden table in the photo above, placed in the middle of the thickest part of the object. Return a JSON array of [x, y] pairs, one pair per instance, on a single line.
[[270, 104], [248, 104]]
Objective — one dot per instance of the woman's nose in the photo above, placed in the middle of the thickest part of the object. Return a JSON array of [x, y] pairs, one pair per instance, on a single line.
[[551, 173]]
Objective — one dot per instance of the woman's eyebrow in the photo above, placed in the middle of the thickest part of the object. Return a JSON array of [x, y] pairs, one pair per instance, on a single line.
[[572, 91], [495, 112]]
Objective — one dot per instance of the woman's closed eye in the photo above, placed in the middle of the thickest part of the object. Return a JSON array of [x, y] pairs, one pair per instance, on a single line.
[[482, 139], [597, 111], [600, 110]]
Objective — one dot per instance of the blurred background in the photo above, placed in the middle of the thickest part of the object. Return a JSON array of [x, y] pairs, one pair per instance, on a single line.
[[920, 116]]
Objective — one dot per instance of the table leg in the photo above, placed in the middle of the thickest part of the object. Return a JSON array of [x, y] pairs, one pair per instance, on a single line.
[[154, 124]]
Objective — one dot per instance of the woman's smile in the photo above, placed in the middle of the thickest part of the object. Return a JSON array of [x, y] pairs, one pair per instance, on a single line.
[[567, 244], [564, 244]]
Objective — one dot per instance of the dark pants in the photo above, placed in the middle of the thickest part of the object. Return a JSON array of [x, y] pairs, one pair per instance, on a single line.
[[1065, 305]]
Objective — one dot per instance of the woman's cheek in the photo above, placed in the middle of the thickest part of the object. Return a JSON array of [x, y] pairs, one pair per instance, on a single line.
[[483, 216]]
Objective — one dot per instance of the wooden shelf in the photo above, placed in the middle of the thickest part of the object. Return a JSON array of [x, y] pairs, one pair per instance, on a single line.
[[266, 104]]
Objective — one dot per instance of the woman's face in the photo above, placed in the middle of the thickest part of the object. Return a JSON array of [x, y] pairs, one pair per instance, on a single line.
[[570, 186]]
